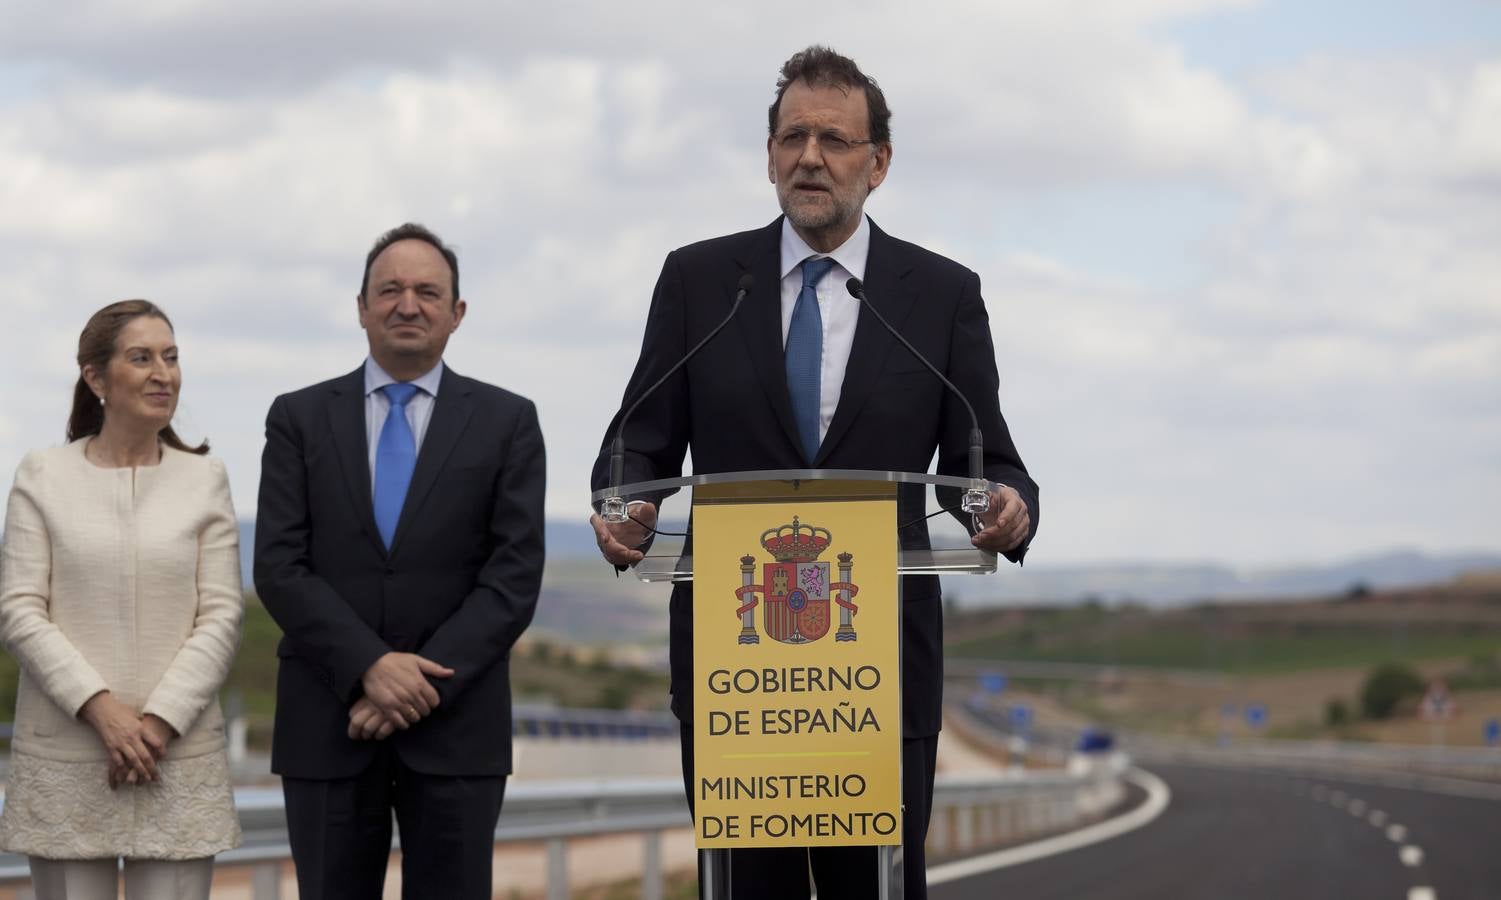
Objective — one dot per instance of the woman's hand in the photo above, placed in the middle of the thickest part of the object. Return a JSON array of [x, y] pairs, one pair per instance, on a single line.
[[123, 734], [156, 733]]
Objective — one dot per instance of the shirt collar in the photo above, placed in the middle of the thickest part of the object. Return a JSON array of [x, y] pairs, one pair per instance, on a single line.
[[851, 254], [377, 378]]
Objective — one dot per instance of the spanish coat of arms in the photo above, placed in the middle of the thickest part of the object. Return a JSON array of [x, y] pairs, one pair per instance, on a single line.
[[797, 588]]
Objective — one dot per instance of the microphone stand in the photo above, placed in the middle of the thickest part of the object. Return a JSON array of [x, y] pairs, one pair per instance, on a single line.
[[613, 508], [977, 498]]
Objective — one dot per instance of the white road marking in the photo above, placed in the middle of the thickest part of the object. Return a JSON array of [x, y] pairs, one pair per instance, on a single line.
[[1357, 808], [1158, 798], [1411, 856], [1397, 833], [1378, 817], [1422, 893]]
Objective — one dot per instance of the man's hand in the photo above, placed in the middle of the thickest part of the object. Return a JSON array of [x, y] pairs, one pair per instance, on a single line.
[[120, 729], [618, 543], [1006, 524], [368, 722], [397, 684]]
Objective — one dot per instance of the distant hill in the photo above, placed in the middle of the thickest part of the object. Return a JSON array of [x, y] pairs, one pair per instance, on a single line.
[[1165, 584], [582, 599], [574, 573]]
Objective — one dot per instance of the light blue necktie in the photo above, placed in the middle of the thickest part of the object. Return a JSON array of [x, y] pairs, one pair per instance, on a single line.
[[805, 355], [395, 458]]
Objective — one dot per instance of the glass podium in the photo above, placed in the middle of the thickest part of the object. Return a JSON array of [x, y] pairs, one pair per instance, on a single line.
[[671, 567], [795, 487]]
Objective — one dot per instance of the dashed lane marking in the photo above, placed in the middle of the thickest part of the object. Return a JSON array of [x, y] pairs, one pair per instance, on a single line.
[[1378, 817], [1397, 833], [1411, 856], [1422, 893]]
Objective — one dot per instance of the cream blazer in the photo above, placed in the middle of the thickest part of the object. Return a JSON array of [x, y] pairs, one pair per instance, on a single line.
[[119, 579]]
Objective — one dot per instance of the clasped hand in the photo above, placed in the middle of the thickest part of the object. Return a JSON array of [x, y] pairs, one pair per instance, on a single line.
[[397, 695], [135, 742]]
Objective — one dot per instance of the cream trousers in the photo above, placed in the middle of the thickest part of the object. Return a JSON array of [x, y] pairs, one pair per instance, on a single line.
[[99, 879]]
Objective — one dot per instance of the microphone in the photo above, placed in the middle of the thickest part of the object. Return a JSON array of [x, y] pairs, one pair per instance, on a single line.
[[613, 508], [977, 498]]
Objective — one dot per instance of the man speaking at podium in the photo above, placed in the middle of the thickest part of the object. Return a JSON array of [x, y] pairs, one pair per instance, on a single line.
[[803, 377]]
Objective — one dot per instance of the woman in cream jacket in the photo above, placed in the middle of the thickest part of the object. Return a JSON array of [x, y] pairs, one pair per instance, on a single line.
[[120, 598]]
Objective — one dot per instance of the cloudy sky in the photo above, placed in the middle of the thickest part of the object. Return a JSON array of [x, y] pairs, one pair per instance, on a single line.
[[1240, 258]]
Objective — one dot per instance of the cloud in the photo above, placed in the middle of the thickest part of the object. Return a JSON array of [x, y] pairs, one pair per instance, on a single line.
[[1180, 375]]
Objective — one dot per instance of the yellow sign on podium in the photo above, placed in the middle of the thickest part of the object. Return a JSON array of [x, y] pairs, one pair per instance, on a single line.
[[796, 658]]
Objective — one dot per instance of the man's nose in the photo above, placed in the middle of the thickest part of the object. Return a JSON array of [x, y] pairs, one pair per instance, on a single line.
[[407, 304], [812, 156]]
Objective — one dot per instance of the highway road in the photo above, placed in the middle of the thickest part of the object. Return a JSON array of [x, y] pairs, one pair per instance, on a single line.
[[1236, 834]]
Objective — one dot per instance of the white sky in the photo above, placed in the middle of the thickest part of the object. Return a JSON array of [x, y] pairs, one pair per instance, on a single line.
[[1240, 259]]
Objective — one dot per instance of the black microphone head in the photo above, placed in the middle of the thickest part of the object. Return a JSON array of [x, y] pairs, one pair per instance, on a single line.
[[746, 282], [856, 289]]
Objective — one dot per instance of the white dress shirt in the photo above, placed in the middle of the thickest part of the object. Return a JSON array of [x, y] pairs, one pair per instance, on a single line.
[[836, 307], [419, 408]]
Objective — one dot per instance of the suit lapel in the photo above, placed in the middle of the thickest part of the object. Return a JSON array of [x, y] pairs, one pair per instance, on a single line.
[[885, 270], [346, 416], [760, 321], [450, 416]]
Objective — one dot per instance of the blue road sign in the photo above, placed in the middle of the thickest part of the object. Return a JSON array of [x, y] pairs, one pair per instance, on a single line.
[[1493, 732], [1021, 716], [993, 682], [1256, 714]]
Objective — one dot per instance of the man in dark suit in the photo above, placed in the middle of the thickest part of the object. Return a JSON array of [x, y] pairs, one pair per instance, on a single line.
[[781, 392], [399, 547], [778, 391]]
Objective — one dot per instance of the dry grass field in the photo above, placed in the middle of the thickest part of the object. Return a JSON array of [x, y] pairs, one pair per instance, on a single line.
[[1293, 658]]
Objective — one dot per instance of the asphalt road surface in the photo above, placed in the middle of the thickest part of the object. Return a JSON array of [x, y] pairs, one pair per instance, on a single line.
[[1231, 834]]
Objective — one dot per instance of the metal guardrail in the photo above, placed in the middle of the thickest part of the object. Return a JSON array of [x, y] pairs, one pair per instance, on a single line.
[[970, 812], [555, 722], [954, 667], [1474, 769], [973, 813]]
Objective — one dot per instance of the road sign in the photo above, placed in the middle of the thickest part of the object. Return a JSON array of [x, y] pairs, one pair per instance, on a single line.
[[1021, 716], [1438, 704], [1493, 732], [1256, 714], [993, 682]]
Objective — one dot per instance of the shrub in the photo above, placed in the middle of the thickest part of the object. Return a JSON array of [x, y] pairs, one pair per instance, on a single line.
[[1336, 712], [1386, 686]]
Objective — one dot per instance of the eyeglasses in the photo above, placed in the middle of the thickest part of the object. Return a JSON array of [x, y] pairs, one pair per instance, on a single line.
[[793, 140]]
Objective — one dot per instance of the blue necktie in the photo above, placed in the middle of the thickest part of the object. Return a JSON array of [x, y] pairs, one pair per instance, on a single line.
[[395, 458], [805, 355]]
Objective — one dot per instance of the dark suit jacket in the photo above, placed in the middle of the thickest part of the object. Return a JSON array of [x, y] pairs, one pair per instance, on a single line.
[[458, 586], [731, 405]]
